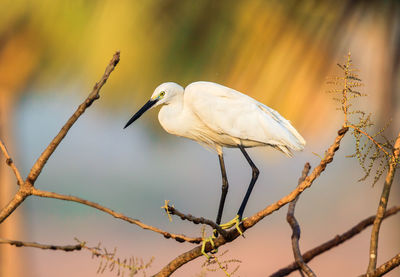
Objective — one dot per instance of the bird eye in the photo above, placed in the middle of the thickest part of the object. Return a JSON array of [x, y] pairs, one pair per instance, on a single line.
[[162, 94]]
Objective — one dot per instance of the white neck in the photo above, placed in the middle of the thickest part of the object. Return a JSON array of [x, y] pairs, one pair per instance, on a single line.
[[170, 116]]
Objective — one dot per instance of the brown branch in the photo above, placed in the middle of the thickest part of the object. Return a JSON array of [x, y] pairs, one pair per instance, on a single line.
[[19, 197], [251, 221], [373, 252], [337, 240], [385, 268], [291, 219], [195, 220], [66, 248], [10, 163], [25, 188], [48, 194], [94, 95]]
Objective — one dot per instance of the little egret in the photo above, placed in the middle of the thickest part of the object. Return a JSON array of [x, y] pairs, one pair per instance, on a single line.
[[217, 116]]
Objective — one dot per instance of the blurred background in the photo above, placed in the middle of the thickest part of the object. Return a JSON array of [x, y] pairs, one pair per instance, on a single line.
[[279, 52]]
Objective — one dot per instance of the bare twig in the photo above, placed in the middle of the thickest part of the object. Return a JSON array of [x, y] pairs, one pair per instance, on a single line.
[[25, 188], [251, 221], [373, 252], [10, 162], [67, 248], [48, 194], [304, 185], [94, 95], [385, 268], [19, 197], [296, 228], [337, 240], [196, 220]]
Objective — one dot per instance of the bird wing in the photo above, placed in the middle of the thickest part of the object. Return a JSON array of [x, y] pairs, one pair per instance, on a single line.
[[229, 112]]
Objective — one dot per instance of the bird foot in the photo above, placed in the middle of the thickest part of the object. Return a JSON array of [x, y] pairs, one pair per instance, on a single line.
[[203, 246], [166, 209], [234, 222]]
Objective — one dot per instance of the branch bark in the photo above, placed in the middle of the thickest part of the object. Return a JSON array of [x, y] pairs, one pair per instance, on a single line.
[[10, 163], [94, 95], [373, 252], [195, 220], [66, 248], [337, 240], [251, 221], [385, 268], [291, 219], [25, 188], [48, 194]]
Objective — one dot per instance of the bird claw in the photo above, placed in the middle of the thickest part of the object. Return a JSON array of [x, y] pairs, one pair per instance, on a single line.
[[166, 208], [203, 246], [234, 222]]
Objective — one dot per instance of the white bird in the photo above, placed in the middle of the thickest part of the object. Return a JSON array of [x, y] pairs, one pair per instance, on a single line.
[[217, 116]]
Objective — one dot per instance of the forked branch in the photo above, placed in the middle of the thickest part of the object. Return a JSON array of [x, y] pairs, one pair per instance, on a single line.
[[27, 188], [385, 268], [336, 241], [251, 221], [94, 95]]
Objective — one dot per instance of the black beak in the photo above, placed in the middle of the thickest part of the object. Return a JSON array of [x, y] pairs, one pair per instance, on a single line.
[[142, 110]]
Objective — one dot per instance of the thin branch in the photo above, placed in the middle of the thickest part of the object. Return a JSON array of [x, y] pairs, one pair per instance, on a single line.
[[48, 194], [25, 188], [19, 197], [337, 240], [66, 248], [385, 268], [373, 252], [251, 221], [195, 220], [10, 163], [94, 95], [300, 188], [291, 219]]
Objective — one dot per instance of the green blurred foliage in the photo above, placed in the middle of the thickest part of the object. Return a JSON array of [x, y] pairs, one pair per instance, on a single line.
[[277, 51]]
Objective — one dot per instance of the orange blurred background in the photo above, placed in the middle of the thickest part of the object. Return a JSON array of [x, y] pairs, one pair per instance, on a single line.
[[279, 52]]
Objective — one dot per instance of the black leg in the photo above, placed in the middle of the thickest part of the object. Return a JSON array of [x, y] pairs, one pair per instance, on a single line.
[[224, 188], [252, 182]]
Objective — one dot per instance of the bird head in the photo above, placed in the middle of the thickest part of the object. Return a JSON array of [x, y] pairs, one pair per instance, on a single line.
[[163, 94]]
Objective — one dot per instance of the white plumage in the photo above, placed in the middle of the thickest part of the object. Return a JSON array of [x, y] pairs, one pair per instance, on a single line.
[[217, 116]]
